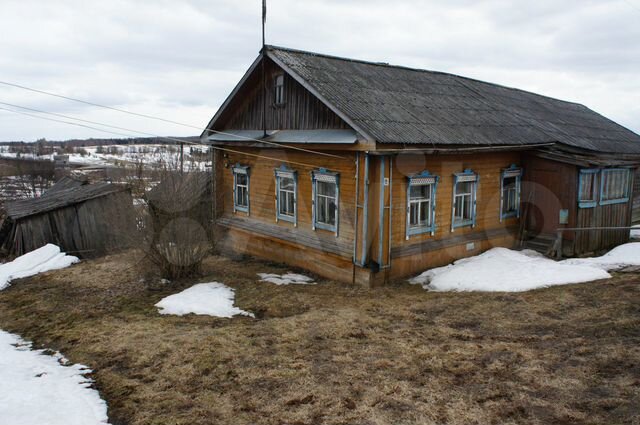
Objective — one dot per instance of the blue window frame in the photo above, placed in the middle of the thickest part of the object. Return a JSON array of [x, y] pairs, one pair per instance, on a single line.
[[421, 204], [463, 211], [588, 188], [614, 186], [326, 200], [241, 188], [286, 195], [510, 187]]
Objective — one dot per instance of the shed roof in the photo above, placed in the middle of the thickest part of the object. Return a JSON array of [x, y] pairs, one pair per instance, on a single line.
[[393, 104], [59, 199]]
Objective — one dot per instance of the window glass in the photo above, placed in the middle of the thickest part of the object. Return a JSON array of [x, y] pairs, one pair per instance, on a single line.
[[286, 196], [326, 203], [614, 185]]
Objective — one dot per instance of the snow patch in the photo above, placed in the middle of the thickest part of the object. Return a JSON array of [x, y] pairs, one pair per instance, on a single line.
[[211, 299], [40, 389], [286, 279], [40, 260], [619, 257], [635, 232], [505, 270]]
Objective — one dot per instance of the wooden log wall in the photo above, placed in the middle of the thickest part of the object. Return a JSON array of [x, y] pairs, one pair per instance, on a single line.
[[262, 194], [300, 110]]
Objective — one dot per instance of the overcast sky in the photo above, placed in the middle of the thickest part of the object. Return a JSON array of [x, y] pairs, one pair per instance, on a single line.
[[180, 59]]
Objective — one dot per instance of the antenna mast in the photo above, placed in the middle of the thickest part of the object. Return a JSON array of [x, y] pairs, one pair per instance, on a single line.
[[264, 78]]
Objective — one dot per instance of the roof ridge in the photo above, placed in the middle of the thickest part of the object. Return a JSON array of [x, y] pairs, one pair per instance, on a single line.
[[408, 68]]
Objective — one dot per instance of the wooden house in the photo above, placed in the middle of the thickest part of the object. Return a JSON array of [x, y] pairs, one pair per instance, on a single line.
[[85, 220], [365, 172]]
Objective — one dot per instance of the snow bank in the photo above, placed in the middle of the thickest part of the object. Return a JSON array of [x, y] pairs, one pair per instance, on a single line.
[[619, 257], [211, 299], [286, 279], [37, 389], [40, 260], [501, 269], [635, 232]]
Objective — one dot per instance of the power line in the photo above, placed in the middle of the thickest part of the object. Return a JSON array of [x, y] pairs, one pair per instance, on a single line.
[[161, 137], [93, 122], [65, 122], [124, 111]]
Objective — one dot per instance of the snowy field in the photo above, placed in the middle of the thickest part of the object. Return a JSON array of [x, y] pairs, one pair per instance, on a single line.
[[210, 299], [196, 158], [41, 389], [502, 269]]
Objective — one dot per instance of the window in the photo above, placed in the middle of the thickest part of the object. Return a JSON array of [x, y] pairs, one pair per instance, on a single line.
[[326, 195], [464, 199], [421, 204], [241, 188], [278, 94], [510, 192], [614, 186], [286, 195], [588, 188]]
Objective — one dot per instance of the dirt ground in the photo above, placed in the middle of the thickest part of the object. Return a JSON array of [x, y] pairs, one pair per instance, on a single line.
[[336, 354]]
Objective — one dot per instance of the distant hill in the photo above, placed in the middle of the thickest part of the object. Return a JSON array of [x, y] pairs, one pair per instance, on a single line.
[[99, 142]]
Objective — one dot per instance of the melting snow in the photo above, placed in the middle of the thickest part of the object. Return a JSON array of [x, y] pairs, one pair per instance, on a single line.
[[39, 389], [619, 257], [211, 299], [501, 269], [286, 279], [40, 260]]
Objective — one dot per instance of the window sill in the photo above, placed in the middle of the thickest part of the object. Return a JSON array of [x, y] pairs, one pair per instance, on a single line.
[[286, 218], [587, 204], [323, 226], [466, 223], [510, 214], [420, 231], [615, 201], [241, 209]]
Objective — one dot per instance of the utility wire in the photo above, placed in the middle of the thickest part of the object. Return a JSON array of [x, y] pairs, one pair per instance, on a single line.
[[161, 137], [93, 122], [124, 111]]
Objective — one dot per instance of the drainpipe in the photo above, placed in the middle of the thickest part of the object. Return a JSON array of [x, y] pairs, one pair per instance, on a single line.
[[381, 222], [390, 208], [365, 210], [355, 223]]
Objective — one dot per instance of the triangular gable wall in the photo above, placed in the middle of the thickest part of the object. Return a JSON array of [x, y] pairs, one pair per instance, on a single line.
[[300, 111]]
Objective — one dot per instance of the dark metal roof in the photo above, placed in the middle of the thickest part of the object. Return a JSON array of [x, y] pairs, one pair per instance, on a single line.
[[59, 199], [393, 104]]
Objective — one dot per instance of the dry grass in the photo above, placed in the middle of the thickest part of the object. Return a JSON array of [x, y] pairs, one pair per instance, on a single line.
[[334, 354]]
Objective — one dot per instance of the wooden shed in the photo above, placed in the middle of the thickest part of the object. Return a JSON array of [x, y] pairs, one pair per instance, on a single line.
[[367, 172], [85, 220]]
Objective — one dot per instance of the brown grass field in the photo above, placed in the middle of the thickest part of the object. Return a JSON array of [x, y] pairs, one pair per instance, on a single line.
[[336, 354]]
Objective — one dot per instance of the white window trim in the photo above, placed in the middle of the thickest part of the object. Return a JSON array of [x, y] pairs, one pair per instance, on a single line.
[[465, 176], [280, 173], [422, 179], [329, 177], [244, 170], [510, 172]]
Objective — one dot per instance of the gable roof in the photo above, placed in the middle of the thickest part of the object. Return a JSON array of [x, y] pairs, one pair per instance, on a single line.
[[399, 105]]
